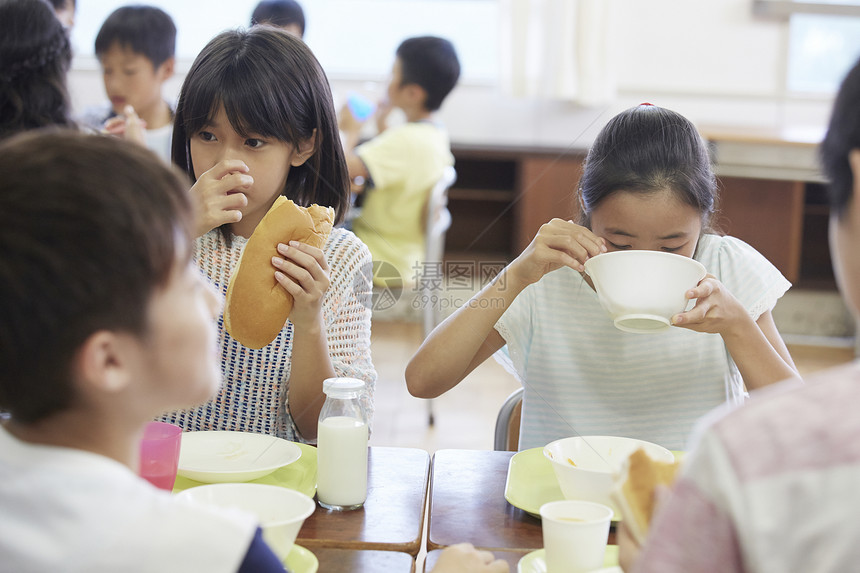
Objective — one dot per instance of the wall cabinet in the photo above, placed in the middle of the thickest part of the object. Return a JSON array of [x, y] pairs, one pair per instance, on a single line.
[[502, 196]]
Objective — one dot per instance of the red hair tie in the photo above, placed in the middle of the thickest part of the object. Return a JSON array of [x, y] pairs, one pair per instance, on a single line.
[[646, 103]]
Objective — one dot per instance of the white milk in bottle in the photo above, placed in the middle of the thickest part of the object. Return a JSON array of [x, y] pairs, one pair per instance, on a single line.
[[342, 446]]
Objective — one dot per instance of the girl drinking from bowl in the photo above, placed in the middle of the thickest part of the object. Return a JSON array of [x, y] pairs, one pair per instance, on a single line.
[[647, 184], [255, 120]]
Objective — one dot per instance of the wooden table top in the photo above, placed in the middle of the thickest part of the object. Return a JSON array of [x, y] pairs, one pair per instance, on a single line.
[[392, 518], [467, 504], [351, 560]]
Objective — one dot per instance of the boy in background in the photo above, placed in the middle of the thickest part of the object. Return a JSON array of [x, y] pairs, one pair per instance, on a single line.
[[65, 11], [136, 49], [285, 14], [401, 164]]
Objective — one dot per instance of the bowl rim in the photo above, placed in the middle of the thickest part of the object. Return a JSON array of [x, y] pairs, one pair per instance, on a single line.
[[291, 453], [610, 472], [306, 512], [641, 252]]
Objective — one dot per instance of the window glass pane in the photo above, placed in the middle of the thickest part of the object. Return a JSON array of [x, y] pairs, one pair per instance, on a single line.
[[354, 38], [821, 50]]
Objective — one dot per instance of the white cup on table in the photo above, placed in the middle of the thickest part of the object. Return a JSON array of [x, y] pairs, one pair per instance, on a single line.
[[575, 534]]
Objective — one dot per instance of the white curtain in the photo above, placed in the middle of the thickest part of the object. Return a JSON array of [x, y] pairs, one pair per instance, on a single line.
[[558, 50]]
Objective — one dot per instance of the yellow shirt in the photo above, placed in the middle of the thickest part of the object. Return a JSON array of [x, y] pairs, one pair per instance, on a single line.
[[404, 163]]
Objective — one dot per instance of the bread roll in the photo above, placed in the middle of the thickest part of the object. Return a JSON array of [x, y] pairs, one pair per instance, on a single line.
[[257, 306], [634, 490]]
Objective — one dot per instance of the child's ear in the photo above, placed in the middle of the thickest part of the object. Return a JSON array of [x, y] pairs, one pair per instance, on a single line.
[[102, 363], [166, 69], [416, 95], [305, 150]]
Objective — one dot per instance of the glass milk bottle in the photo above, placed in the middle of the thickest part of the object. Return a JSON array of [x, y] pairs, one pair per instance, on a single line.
[[342, 446]]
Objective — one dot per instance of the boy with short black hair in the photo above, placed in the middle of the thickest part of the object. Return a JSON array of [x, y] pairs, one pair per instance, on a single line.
[[285, 14], [136, 48], [401, 164], [105, 323]]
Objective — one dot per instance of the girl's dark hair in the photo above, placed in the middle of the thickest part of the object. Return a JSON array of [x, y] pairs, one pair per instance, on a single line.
[[843, 135], [647, 149], [270, 84], [94, 228], [35, 55]]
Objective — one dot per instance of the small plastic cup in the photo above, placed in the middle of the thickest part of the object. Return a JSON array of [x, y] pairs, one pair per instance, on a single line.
[[575, 534], [159, 454]]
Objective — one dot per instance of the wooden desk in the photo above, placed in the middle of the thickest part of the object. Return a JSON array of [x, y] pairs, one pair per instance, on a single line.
[[393, 515], [467, 504], [351, 560]]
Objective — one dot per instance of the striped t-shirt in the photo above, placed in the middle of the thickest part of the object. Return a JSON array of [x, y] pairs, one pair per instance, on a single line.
[[583, 376]]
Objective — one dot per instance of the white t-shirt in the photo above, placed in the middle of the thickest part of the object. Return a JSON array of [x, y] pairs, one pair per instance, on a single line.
[[159, 140], [584, 376], [63, 509], [404, 163]]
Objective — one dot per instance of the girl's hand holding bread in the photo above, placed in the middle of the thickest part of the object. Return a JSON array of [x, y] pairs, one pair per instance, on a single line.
[[304, 273]]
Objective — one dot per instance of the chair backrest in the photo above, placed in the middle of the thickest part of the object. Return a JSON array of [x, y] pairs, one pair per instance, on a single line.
[[438, 218], [436, 224], [507, 437]]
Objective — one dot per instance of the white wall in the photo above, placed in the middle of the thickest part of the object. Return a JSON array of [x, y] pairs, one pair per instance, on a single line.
[[710, 60]]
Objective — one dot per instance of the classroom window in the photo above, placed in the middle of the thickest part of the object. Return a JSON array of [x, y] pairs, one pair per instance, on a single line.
[[824, 41], [822, 48], [353, 39]]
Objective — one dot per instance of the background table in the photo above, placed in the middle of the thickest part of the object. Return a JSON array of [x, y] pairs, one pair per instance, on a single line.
[[351, 560], [392, 518], [467, 504]]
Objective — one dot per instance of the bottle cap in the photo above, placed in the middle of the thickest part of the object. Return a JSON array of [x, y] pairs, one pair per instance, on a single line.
[[342, 385]]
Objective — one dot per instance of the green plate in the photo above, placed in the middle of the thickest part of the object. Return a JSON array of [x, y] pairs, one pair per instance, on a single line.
[[301, 475], [535, 562], [531, 481], [301, 560]]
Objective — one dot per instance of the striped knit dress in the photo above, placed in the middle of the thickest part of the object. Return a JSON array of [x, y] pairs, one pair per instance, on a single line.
[[253, 396]]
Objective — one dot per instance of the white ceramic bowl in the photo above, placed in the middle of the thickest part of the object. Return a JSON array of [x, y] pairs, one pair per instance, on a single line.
[[281, 511], [223, 456], [642, 290], [585, 465]]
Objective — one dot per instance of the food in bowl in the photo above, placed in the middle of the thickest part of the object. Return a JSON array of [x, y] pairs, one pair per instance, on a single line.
[[281, 511], [643, 290], [585, 465]]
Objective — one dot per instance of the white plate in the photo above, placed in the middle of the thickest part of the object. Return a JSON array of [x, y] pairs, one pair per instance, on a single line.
[[535, 562], [216, 456]]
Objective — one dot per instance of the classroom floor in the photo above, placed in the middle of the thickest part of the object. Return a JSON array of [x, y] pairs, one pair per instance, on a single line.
[[465, 416]]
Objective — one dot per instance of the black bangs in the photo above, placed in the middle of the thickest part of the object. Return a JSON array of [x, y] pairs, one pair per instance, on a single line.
[[231, 84]]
